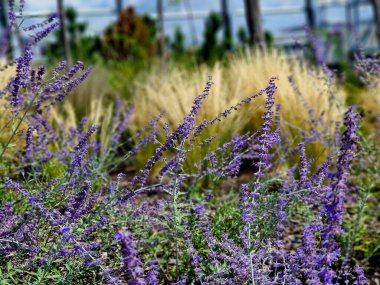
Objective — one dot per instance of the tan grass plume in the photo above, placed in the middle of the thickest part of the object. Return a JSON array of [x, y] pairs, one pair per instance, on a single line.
[[245, 75]]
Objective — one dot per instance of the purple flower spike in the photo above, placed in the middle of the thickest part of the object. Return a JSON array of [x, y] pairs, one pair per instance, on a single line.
[[132, 263]]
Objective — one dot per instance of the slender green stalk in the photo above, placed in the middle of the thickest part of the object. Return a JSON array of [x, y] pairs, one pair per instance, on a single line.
[[18, 125], [250, 254], [174, 201]]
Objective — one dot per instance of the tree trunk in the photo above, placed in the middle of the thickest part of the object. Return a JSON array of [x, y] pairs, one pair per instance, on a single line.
[[253, 15], [310, 14], [227, 38], [161, 31], [65, 43], [7, 30], [376, 12]]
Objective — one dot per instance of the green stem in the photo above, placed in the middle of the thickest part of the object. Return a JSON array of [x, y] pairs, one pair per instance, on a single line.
[[174, 201], [18, 126], [250, 255]]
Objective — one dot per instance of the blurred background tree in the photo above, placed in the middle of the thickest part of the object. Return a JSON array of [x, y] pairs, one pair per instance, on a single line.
[[81, 46], [131, 37], [253, 16], [178, 43], [227, 33], [211, 49], [376, 12]]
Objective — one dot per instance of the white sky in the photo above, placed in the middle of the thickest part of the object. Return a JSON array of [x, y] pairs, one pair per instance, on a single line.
[[275, 24]]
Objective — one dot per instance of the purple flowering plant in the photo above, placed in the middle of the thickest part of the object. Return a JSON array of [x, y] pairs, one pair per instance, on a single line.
[[232, 219]]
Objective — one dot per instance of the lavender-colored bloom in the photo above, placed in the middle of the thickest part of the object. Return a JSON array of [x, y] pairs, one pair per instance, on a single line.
[[266, 139], [21, 7], [94, 262], [11, 13], [59, 68], [360, 278], [29, 140], [181, 133], [81, 150], [42, 34], [21, 80], [248, 203], [196, 259], [132, 263], [247, 100], [335, 197], [79, 65], [65, 230], [39, 25], [153, 273], [122, 124], [304, 169], [317, 45], [322, 172], [114, 280], [317, 262], [198, 100], [72, 84], [368, 68]]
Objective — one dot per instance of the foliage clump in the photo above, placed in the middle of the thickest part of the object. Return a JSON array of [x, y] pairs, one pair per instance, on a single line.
[[132, 37]]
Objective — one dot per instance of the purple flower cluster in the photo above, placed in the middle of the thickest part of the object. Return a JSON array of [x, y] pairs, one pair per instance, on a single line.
[[183, 228], [132, 268], [368, 68]]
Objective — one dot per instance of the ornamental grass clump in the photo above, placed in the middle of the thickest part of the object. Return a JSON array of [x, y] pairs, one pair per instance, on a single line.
[[368, 69], [167, 223], [310, 99]]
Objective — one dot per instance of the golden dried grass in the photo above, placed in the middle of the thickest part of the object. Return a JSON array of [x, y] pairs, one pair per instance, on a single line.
[[246, 74], [7, 124], [5, 75], [369, 103], [92, 99]]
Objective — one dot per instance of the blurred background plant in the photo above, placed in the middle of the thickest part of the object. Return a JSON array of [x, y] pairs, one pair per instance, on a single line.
[[132, 37], [82, 46]]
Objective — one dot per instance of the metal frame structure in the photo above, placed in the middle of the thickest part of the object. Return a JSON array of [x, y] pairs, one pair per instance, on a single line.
[[356, 34], [314, 11]]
